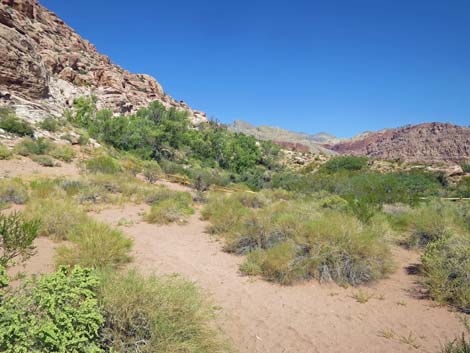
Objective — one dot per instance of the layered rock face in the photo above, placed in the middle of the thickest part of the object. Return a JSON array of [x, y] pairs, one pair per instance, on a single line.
[[45, 65], [429, 142]]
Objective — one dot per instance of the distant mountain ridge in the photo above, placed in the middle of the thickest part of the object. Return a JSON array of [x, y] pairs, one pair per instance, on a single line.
[[427, 142], [285, 137]]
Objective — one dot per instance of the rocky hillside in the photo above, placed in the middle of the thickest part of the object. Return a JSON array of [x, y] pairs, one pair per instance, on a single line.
[[285, 138], [429, 142], [45, 64]]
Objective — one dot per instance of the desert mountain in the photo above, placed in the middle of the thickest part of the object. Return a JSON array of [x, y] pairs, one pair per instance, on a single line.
[[45, 64], [286, 138], [428, 142]]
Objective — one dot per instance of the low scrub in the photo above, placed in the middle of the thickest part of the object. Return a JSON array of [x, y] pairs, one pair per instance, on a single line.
[[94, 245], [446, 266], [58, 217], [51, 124], [5, 153], [28, 147], [16, 238], [44, 160], [429, 222], [153, 314], [169, 206], [103, 164], [64, 153], [11, 123], [55, 313], [13, 191], [288, 241], [152, 171]]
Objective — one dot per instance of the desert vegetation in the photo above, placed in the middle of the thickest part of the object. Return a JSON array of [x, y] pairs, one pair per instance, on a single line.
[[338, 222]]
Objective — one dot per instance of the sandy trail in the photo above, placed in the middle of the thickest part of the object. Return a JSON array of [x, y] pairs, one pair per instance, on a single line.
[[264, 317]]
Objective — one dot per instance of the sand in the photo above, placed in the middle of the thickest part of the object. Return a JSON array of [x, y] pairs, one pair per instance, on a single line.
[[259, 316]]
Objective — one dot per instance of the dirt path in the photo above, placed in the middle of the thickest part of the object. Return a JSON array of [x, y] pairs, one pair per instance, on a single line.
[[264, 317]]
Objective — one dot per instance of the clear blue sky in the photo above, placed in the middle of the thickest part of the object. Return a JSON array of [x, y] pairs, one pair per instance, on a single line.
[[340, 66]]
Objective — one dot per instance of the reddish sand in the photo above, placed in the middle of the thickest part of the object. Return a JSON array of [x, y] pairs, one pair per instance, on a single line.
[[259, 316]]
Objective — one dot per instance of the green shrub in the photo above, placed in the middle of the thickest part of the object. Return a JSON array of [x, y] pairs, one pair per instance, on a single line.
[[51, 124], [43, 160], [153, 314], [131, 165], [169, 206], [27, 146], [224, 214], [95, 245], [344, 163], [152, 171], [56, 313], [433, 221], [446, 265], [64, 153], [5, 153], [13, 191], [253, 261], [43, 188], [103, 164], [58, 217], [279, 264], [341, 248], [465, 167], [16, 238], [11, 123]]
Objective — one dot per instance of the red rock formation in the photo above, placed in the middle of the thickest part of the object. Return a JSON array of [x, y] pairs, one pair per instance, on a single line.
[[429, 142], [46, 64], [293, 146]]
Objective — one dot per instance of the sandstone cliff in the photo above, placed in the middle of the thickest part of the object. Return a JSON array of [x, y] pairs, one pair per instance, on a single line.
[[429, 142], [45, 64]]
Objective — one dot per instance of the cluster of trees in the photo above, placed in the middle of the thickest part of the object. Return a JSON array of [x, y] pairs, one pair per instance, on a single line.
[[159, 133]]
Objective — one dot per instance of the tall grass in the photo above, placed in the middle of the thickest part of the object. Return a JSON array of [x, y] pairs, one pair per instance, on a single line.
[[288, 241], [95, 245], [58, 217], [169, 206], [153, 314], [13, 191], [446, 266]]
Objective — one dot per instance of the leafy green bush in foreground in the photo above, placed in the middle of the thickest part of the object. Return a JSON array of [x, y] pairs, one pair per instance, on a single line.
[[56, 313]]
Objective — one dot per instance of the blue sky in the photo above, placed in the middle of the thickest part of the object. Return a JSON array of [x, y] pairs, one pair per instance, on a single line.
[[339, 66]]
